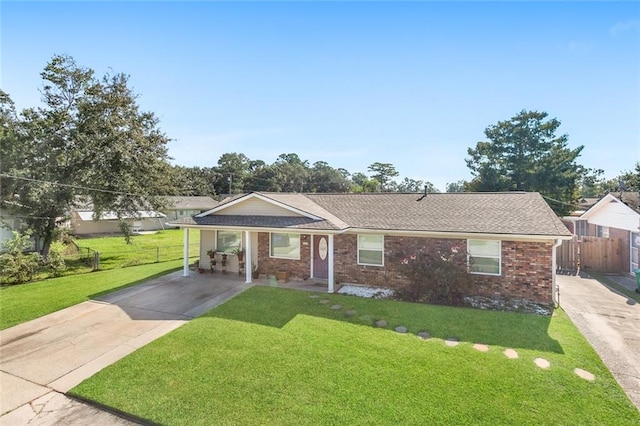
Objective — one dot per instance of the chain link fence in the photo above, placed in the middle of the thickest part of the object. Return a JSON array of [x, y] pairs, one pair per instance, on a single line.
[[86, 257]]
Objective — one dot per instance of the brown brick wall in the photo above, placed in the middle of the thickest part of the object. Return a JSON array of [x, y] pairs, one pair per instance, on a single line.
[[298, 269], [526, 267], [527, 273]]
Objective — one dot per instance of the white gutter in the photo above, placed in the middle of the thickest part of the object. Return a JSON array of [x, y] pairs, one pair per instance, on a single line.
[[461, 235], [261, 229], [554, 286], [429, 234]]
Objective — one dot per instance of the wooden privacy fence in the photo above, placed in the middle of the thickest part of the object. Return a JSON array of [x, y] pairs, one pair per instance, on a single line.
[[593, 253]]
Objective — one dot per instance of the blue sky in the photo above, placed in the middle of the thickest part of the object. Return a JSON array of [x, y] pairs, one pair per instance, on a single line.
[[350, 83]]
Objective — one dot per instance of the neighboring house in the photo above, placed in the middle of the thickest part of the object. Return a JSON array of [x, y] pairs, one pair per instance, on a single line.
[[179, 207], [352, 238], [82, 222], [615, 219]]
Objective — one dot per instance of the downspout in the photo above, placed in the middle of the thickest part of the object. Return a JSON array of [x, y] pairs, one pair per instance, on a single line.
[[554, 286]]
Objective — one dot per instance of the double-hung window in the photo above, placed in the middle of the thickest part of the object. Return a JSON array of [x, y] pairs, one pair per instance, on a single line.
[[484, 257], [371, 250]]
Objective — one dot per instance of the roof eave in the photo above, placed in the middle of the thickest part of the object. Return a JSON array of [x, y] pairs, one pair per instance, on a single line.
[[461, 235]]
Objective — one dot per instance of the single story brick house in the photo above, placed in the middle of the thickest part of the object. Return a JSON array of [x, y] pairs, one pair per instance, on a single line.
[[351, 238]]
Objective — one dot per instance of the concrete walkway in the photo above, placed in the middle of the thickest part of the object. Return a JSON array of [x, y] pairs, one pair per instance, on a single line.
[[611, 323], [44, 358]]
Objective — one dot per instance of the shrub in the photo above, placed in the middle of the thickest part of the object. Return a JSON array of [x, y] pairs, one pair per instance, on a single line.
[[18, 267], [55, 259], [435, 274]]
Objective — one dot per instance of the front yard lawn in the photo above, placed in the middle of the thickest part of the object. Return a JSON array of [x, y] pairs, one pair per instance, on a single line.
[[25, 302], [160, 246], [276, 356]]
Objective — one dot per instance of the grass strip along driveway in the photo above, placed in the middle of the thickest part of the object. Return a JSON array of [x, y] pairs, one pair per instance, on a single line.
[[277, 356], [25, 302]]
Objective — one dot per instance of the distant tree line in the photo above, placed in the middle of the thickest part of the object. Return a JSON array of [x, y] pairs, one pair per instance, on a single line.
[[237, 173]]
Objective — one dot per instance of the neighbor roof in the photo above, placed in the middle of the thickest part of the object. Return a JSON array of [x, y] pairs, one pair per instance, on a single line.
[[517, 213], [142, 214], [190, 203]]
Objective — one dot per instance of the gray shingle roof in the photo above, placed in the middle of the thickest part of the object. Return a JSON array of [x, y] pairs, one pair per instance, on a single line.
[[521, 213], [190, 203], [515, 213]]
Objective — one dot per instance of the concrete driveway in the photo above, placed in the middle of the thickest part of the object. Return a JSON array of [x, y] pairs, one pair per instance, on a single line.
[[611, 323], [50, 355]]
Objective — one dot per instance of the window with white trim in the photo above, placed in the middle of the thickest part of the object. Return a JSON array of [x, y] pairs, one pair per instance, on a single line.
[[228, 241], [484, 257], [582, 229], [371, 250], [284, 245], [602, 231]]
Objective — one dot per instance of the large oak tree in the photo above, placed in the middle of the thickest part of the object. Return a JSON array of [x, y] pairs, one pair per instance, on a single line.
[[87, 142]]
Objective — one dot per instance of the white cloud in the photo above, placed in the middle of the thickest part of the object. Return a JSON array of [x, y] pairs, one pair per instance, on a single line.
[[622, 27]]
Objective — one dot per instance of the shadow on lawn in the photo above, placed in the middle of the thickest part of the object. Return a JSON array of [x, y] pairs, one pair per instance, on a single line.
[[275, 307]]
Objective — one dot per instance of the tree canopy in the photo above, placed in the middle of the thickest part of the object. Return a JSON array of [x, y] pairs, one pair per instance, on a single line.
[[525, 154], [87, 143]]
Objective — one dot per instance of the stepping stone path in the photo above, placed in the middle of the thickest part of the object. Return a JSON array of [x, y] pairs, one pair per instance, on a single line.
[[584, 374], [452, 341], [510, 353], [542, 363], [481, 347]]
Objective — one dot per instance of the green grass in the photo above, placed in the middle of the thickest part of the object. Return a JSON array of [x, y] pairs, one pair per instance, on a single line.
[[614, 285], [147, 248], [25, 302], [275, 356]]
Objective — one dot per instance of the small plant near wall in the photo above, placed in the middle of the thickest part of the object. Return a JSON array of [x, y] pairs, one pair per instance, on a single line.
[[239, 252], [255, 273], [282, 276], [211, 253]]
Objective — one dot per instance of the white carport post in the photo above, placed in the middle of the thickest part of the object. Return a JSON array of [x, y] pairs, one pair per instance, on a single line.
[[185, 254], [247, 257], [330, 280]]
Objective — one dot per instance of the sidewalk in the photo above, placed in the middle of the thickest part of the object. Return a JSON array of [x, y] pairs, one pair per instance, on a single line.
[[44, 358]]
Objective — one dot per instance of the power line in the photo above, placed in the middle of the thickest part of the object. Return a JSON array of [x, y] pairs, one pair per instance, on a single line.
[[558, 201], [67, 185]]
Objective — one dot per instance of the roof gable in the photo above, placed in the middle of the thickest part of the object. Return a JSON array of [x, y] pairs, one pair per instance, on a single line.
[[612, 212], [257, 204]]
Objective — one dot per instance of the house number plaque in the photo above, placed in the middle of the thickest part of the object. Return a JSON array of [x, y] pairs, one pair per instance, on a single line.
[[322, 248]]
